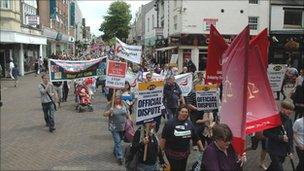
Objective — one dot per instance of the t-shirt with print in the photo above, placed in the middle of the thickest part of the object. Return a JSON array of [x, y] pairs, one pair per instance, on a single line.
[[178, 134]]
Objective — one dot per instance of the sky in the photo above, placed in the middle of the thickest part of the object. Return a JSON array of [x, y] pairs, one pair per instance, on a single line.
[[94, 10]]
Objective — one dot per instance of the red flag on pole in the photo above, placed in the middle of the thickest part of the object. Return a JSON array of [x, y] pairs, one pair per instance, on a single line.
[[261, 41], [216, 48], [262, 111], [234, 101]]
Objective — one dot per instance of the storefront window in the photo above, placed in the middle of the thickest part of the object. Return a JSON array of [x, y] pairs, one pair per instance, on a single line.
[[30, 55]]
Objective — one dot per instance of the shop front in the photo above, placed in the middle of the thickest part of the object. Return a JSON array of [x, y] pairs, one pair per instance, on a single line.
[[287, 47]]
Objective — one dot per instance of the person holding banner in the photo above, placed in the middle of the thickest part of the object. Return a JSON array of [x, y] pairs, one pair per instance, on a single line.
[[118, 115], [172, 96], [145, 135], [220, 155], [175, 140], [128, 97], [280, 139]]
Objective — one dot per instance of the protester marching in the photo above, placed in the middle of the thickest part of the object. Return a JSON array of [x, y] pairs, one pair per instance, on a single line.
[[158, 115]]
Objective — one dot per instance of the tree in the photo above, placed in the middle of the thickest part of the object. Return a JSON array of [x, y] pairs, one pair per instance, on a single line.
[[116, 22]]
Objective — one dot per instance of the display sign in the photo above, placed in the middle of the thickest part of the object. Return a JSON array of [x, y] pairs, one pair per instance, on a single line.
[[116, 73], [276, 73], [207, 97]]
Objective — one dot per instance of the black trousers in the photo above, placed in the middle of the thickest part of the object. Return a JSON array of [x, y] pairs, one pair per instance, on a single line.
[[276, 163], [177, 165], [65, 94], [300, 154]]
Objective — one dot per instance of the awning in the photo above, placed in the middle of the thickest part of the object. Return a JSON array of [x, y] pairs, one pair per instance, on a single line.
[[166, 48], [17, 37]]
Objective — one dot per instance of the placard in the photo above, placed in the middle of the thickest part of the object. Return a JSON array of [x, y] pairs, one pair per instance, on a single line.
[[116, 73]]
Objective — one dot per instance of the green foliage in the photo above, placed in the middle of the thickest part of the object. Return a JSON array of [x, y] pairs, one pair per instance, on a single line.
[[116, 22]]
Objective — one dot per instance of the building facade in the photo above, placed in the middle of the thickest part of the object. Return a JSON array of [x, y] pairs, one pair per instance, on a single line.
[[186, 25], [58, 25], [21, 40], [286, 32]]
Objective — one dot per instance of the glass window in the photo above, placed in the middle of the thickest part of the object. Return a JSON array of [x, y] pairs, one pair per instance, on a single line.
[[253, 1], [152, 21], [293, 18], [253, 23], [5, 4], [175, 22]]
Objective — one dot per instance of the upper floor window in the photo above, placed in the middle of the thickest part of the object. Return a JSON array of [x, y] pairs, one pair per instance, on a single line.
[[148, 29], [175, 22], [253, 1], [5, 4], [153, 21], [253, 23], [293, 18]]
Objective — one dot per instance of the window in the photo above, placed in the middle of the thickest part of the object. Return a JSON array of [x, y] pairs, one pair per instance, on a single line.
[[175, 22], [253, 1], [293, 18], [5, 4], [152, 21], [253, 23], [148, 25], [207, 28]]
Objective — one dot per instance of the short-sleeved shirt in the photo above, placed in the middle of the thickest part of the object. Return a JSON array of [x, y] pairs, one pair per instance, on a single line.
[[298, 129], [194, 115], [118, 119], [178, 135], [171, 95]]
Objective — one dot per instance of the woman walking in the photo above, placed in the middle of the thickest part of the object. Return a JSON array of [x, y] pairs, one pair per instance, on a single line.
[[117, 115]]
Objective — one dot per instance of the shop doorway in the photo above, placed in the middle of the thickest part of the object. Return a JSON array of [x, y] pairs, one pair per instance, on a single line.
[[2, 63]]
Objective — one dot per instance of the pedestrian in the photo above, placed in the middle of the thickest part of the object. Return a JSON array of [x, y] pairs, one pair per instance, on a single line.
[[65, 91], [145, 136], [36, 67], [172, 96], [58, 89], [175, 140], [199, 80], [48, 93], [280, 139], [220, 155], [190, 65], [11, 67], [15, 73], [298, 95], [298, 132], [118, 115], [128, 97], [185, 70]]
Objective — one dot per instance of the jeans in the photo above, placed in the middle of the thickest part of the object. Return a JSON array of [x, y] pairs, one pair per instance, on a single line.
[[144, 167], [300, 154], [276, 163], [48, 111], [171, 112], [117, 138]]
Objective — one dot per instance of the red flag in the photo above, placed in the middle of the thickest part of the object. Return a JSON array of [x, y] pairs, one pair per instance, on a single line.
[[262, 111], [261, 41], [216, 48], [234, 101]]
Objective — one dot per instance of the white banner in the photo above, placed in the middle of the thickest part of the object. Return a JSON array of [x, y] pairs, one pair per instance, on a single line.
[[276, 73], [129, 52], [150, 101], [185, 82]]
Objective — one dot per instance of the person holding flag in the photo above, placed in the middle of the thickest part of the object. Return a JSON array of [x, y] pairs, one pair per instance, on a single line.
[[280, 139]]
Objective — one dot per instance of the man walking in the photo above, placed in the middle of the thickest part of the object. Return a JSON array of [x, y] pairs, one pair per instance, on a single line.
[[47, 93], [172, 96], [280, 139]]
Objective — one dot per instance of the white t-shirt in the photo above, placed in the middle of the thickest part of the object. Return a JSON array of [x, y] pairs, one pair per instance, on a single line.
[[11, 65], [298, 130]]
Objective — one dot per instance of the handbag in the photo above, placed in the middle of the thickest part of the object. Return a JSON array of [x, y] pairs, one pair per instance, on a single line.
[[129, 131]]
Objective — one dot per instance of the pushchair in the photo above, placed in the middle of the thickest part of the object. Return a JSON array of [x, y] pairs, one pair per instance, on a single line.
[[83, 99]]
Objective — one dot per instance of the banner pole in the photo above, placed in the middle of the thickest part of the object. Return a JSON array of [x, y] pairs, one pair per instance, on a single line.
[[146, 145], [113, 99]]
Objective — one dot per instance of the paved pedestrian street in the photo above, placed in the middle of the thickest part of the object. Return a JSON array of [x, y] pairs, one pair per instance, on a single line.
[[81, 140]]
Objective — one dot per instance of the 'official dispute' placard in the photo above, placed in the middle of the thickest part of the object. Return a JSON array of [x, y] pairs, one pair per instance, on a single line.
[[150, 100], [207, 97]]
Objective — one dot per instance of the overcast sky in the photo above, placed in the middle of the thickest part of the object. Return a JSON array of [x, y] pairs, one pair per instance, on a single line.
[[94, 10]]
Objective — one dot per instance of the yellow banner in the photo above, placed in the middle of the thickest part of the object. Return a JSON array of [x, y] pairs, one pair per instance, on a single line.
[[206, 87], [150, 85]]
